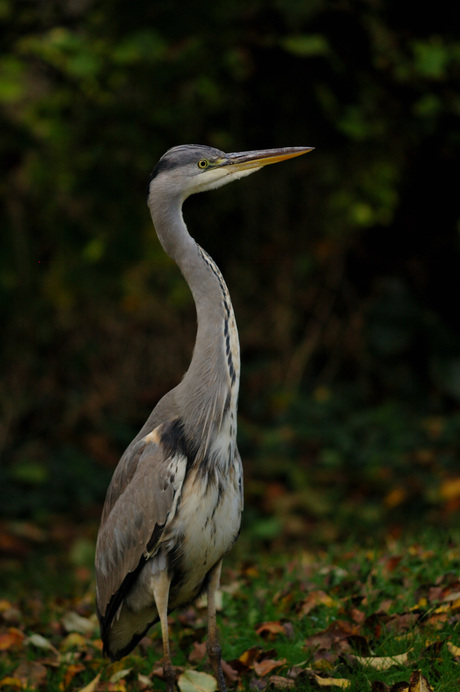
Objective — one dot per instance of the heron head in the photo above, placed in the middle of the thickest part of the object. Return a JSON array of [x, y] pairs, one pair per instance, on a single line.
[[192, 168]]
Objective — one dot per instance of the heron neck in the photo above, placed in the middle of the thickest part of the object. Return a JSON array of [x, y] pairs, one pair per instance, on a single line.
[[209, 388]]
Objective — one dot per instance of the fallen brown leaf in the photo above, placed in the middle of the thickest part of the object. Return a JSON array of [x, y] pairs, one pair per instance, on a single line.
[[399, 622], [313, 600], [418, 683], [230, 673], [392, 562], [280, 683], [269, 630], [157, 672], [450, 588], [31, 673], [333, 639], [71, 672], [357, 616], [289, 629], [248, 657], [267, 665], [437, 620], [13, 638], [198, 652]]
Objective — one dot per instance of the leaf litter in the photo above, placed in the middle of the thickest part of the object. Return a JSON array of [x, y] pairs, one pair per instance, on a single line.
[[390, 620]]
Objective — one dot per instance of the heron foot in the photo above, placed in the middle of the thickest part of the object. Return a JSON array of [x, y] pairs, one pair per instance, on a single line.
[[169, 677], [215, 657]]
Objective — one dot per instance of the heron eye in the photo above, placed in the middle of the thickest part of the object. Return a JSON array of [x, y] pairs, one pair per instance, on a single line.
[[203, 163]]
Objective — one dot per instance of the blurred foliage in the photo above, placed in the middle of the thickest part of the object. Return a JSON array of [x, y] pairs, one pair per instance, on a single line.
[[346, 280], [336, 467]]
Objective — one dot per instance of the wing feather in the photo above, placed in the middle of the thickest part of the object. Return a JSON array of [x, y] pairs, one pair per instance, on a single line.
[[141, 497]]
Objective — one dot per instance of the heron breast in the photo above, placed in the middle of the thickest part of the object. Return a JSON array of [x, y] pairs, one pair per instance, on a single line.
[[206, 524]]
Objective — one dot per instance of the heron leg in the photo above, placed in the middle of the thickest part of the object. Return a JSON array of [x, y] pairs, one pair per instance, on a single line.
[[161, 595], [213, 647]]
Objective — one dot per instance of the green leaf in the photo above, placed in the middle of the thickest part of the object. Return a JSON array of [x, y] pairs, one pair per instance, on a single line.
[[12, 80], [431, 58], [306, 45], [30, 472]]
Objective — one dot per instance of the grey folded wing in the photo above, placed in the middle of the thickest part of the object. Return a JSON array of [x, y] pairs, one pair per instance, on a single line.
[[141, 499]]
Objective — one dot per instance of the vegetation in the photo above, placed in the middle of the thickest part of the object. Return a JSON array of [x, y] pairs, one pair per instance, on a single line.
[[349, 618], [344, 267], [342, 285]]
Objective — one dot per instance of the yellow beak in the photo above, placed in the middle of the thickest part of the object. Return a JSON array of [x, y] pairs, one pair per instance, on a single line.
[[262, 157]]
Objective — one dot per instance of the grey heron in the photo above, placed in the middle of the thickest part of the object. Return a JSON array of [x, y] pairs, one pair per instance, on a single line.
[[173, 507]]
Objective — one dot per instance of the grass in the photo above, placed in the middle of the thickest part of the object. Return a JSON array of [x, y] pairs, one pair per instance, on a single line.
[[350, 617]]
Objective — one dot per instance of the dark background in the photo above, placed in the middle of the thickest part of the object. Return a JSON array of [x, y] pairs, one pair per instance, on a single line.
[[344, 265]]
